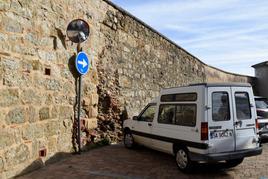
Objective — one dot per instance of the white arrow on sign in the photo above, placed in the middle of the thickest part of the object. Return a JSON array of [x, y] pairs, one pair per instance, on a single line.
[[83, 63]]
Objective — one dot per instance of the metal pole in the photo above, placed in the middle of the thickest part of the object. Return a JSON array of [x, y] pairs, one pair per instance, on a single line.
[[79, 111], [79, 105]]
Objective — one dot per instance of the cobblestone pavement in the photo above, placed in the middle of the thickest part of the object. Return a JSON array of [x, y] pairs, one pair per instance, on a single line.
[[117, 162]]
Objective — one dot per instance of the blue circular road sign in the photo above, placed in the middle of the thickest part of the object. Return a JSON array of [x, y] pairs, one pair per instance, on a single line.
[[82, 63]]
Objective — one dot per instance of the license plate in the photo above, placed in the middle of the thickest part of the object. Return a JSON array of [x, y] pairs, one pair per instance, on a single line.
[[221, 134]]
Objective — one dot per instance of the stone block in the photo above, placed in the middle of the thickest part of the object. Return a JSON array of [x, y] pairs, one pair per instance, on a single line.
[[124, 82], [64, 142], [17, 79], [66, 112], [10, 64], [11, 25], [46, 56], [48, 98], [28, 132], [32, 114], [92, 111], [39, 130], [44, 113], [6, 139], [52, 84], [54, 112], [52, 144], [29, 96], [16, 116], [51, 128], [9, 97], [17, 134], [86, 101], [17, 155], [94, 99], [91, 123], [36, 65]]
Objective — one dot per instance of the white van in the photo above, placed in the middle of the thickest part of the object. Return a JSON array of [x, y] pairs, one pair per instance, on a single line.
[[199, 123]]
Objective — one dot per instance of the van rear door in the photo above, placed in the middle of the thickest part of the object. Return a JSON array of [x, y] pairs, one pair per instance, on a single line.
[[220, 120], [244, 118]]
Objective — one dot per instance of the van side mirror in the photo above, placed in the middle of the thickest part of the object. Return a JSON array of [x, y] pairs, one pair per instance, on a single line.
[[135, 118]]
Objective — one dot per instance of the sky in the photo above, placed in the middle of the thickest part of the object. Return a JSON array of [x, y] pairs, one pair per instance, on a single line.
[[228, 34]]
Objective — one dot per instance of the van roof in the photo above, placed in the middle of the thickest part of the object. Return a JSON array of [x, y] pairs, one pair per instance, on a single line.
[[222, 84], [214, 85]]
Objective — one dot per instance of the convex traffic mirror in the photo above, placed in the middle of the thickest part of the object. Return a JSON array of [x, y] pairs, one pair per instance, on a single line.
[[78, 31]]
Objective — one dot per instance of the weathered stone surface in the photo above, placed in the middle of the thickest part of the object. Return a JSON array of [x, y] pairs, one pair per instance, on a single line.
[[52, 144], [16, 116], [11, 25], [66, 112], [44, 113], [36, 65], [31, 114], [54, 112], [91, 123], [17, 155], [1, 164], [52, 84], [28, 132], [92, 111], [39, 130], [9, 97], [51, 128], [29, 96], [6, 139], [16, 79]]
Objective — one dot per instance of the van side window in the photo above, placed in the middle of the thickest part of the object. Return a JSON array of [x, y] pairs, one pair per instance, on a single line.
[[220, 106], [177, 114], [186, 115], [179, 97], [242, 105], [166, 114], [148, 114]]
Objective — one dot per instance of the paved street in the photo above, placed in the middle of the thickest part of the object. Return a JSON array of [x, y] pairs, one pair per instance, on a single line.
[[117, 162]]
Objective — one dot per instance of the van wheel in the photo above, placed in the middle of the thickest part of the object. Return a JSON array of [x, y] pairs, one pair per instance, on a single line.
[[183, 161], [128, 140], [234, 162]]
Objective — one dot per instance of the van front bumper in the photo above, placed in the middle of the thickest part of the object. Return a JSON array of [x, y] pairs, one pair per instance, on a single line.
[[225, 155]]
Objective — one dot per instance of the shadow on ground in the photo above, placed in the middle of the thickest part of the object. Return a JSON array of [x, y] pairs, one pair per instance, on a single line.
[[38, 163], [115, 162]]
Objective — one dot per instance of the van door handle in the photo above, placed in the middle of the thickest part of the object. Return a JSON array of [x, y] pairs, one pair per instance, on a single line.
[[149, 124], [238, 123]]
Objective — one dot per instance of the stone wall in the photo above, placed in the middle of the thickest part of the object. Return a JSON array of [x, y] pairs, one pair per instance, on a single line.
[[38, 86], [137, 62]]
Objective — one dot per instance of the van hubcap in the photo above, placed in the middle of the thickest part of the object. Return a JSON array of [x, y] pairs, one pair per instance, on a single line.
[[128, 140], [181, 159]]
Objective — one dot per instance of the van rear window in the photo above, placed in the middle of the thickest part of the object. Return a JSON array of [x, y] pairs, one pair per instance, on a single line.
[[220, 106], [242, 104], [179, 97]]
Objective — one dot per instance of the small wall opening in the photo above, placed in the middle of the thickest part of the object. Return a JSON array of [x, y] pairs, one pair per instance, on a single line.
[[47, 71], [42, 152]]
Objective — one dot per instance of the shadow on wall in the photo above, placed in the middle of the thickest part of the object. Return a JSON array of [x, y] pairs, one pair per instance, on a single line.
[[71, 65]]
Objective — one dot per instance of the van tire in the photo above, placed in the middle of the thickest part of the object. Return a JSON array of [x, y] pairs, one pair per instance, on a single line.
[[234, 162], [129, 140], [183, 160]]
